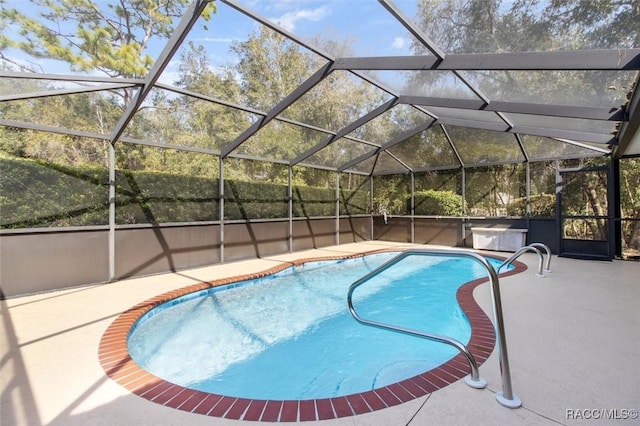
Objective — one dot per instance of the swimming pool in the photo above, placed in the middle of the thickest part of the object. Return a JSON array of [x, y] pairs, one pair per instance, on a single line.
[[229, 361]]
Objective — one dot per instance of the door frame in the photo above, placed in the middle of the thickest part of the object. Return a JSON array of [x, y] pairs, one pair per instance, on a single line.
[[586, 249]]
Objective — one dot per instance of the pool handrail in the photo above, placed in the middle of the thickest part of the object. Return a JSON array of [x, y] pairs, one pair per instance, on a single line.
[[506, 396], [547, 266], [519, 253]]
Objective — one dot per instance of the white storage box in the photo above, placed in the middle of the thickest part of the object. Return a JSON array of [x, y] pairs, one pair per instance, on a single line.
[[499, 239]]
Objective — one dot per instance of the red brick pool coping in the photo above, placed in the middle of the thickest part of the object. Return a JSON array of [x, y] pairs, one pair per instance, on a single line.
[[118, 365]]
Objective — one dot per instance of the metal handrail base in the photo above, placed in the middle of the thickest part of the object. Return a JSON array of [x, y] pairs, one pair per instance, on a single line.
[[514, 402], [547, 266], [519, 253], [478, 383]]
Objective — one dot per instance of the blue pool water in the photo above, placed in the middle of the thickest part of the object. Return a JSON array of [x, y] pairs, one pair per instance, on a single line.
[[291, 336]]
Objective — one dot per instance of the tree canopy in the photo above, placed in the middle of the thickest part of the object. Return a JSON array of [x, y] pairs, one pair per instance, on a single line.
[[88, 36]]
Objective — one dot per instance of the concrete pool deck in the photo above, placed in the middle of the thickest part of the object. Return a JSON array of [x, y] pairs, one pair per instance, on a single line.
[[572, 338]]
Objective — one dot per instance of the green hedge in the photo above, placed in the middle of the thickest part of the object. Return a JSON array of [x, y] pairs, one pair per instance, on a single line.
[[254, 200], [39, 194], [354, 202], [437, 203], [309, 201], [151, 197]]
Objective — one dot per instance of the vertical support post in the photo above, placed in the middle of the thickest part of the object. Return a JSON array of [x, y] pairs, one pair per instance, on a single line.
[[337, 208], [464, 192], [528, 188], [112, 212], [371, 212], [559, 223], [221, 205], [464, 206], [527, 180], [413, 209], [615, 210], [290, 198]]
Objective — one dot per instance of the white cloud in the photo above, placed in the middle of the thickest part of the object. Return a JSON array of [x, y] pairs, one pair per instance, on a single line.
[[399, 43], [288, 20], [215, 40], [169, 77]]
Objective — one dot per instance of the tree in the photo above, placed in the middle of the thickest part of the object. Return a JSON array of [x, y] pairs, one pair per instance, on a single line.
[[89, 36], [476, 26], [390, 193], [271, 67], [115, 40], [472, 26], [599, 24], [630, 203], [489, 190], [93, 112]]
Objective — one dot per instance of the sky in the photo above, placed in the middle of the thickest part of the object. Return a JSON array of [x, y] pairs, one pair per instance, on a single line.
[[377, 35]]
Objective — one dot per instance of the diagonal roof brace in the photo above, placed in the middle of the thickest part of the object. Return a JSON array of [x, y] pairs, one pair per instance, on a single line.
[[269, 24], [413, 29], [505, 119], [586, 146], [346, 130], [629, 133], [247, 110], [398, 139], [429, 44], [256, 17], [452, 145], [297, 93], [522, 148], [402, 163], [191, 15]]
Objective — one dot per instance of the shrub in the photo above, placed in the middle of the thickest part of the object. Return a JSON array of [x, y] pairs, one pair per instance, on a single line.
[[35, 193], [437, 203]]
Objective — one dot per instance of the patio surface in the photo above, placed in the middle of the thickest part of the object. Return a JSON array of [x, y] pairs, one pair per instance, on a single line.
[[572, 338]]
